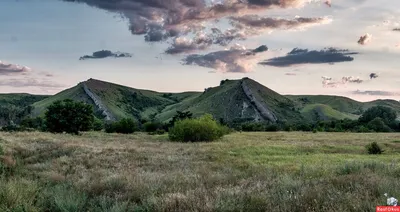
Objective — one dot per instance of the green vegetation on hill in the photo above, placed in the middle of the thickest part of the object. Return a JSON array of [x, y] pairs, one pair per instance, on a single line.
[[321, 112], [13, 107], [338, 107], [233, 101]]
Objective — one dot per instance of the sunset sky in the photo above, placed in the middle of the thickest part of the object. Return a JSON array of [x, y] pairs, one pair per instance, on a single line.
[[342, 47]]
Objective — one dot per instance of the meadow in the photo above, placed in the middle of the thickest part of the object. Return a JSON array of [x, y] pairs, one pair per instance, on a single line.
[[277, 171]]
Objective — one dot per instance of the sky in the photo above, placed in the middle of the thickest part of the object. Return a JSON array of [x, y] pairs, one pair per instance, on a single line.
[[339, 47]]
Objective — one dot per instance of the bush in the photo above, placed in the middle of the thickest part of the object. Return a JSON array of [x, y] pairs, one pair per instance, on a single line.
[[204, 128], [374, 148], [34, 123], [125, 126], [69, 116], [151, 126], [253, 127], [98, 125], [272, 128], [378, 125]]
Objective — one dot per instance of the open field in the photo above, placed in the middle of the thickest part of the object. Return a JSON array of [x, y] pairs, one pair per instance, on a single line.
[[243, 172]]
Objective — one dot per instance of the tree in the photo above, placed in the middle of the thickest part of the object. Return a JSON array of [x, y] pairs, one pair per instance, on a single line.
[[378, 125], [69, 116], [180, 116], [387, 115]]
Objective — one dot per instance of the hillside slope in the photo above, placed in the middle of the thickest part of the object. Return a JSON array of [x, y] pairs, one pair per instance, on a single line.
[[237, 100], [343, 105], [113, 102], [231, 101]]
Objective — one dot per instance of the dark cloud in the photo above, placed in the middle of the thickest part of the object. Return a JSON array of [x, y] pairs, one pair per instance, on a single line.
[[13, 69], [237, 59], [104, 54], [396, 29], [304, 56], [30, 82], [364, 39], [244, 26], [162, 19], [376, 93], [373, 76]]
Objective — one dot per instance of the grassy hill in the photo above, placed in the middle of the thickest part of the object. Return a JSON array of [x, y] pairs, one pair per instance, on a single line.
[[120, 101], [231, 101], [337, 107], [20, 99], [315, 112]]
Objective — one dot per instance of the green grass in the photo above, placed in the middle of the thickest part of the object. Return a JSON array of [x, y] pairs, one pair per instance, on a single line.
[[241, 172], [343, 104], [324, 112]]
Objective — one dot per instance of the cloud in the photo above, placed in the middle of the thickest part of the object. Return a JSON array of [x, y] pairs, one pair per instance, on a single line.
[[159, 20], [373, 75], [13, 69], [364, 39], [30, 82], [244, 26], [332, 83], [304, 56], [396, 29], [376, 93], [185, 45], [254, 24], [351, 79], [237, 59], [104, 54]]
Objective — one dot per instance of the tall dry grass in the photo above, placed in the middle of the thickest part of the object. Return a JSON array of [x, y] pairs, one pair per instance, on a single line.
[[242, 172]]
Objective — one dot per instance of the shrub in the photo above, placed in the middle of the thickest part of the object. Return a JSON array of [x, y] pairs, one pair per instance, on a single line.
[[69, 116], [98, 125], [272, 128], [34, 123], [204, 128], [374, 148], [253, 127], [151, 126], [125, 126], [378, 125]]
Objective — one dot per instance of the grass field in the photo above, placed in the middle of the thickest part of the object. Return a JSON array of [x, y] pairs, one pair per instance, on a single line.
[[242, 172]]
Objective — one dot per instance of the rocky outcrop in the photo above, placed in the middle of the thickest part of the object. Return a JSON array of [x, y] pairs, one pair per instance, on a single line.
[[99, 104], [261, 107]]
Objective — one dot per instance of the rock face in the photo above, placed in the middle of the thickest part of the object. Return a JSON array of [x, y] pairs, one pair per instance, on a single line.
[[261, 107], [98, 103]]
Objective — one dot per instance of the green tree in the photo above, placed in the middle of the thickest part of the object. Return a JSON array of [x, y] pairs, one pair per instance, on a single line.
[[69, 116], [378, 125], [180, 116], [204, 128], [387, 115]]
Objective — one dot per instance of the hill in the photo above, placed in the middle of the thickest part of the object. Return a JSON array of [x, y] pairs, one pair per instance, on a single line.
[[231, 101], [14, 106], [113, 102], [337, 107], [237, 100]]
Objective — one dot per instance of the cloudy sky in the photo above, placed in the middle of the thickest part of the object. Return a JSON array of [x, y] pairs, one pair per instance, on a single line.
[[338, 47]]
